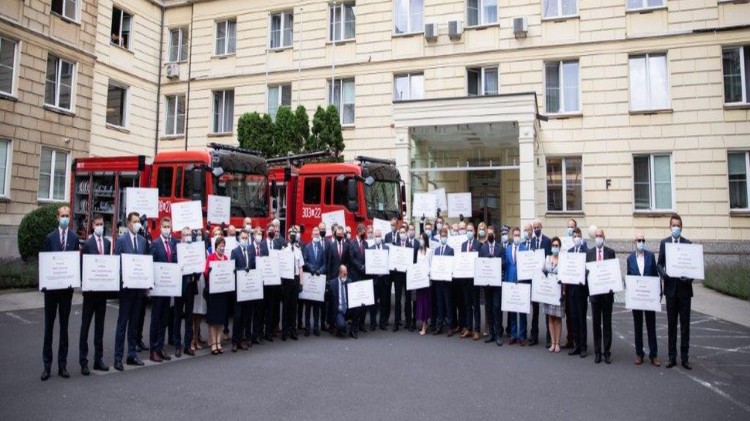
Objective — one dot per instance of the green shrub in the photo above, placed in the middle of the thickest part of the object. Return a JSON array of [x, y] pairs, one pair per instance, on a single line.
[[731, 279], [34, 228], [15, 273]]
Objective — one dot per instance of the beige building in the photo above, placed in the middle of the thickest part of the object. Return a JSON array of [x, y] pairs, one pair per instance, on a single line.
[[614, 112]]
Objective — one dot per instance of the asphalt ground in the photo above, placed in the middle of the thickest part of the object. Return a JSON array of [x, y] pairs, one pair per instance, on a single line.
[[382, 375]]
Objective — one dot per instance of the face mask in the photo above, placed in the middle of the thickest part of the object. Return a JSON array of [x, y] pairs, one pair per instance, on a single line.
[[340, 237], [411, 234], [316, 240], [248, 228], [504, 238], [64, 222], [393, 228], [378, 240], [220, 250], [243, 243], [599, 242], [491, 238], [516, 240], [98, 231], [469, 235], [443, 240], [165, 232], [538, 233], [481, 233], [640, 246], [258, 238], [570, 232], [555, 250], [402, 235], [370, 237], [675, 232], [438, 226], [525, 235], [292, 238], [136, 227], [188, 239], [322, 233], [577, 241], [271, 234]]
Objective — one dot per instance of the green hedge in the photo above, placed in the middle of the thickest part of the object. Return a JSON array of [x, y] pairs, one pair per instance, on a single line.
[[15, 273], [731, 279], [34, 229]]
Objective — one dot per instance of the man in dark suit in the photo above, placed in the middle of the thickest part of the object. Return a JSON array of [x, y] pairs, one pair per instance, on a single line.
[[271, 293], [382, 287], [244, 259], [601, 304], [357, 247], [516, 321], [577, 299], [399, 282], [163, 250], [337, 255], [568, 243], [316, 263], [443, 289], [326, 239], [472, 312], [59, 300], [131, 299], [183, 306], [339, 304], [539, 242], [493, 314], [679, 292], [94, 303], [394, 238], [642, 262]]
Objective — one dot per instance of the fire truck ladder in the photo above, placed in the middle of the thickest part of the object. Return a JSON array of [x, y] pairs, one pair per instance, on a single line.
[[220, 147], [299, 159], [375, 160]]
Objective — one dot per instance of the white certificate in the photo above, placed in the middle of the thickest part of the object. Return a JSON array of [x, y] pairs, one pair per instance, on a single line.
[[360, 293], [100, 273], [571, 268], [643, 293], [441, 268], [167, 280], [604, 276], [192, 257], [286, 263], [440, 200], [516, 298], [423, 204], [137, 271], [382, 225], [269, 268], [488, 271], [145, 201], [313, 287], [187, 214], [418, 276], [400, 259], [376, 262], [545, 289], [249, 285], [463, 265], [218, 209], [684, 260], [529, 261], [59, 270], [459, 204], [221, 278], [336, 217]]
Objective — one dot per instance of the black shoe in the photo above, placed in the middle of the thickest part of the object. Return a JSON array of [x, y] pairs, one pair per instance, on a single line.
[[598, 358], [62, 372], [307, 334], [269, 338], [575, 351], [395, 327], [608, 359], [548, 344], [316, 332], [686, 365], [283, 338], [499, 342], [118, 366], [257, 341], [134, 361], [490, 339], [353, 335], [85, 369], [438, 332], [178, 352], [671, 363], [412, 328], [372, 328], [293, 336], [584, 354], [45, 374], [100, 366], [533, 341], [142, 346]]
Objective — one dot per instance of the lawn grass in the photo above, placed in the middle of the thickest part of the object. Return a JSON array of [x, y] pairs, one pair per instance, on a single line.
[[731, 279], [15, 273]]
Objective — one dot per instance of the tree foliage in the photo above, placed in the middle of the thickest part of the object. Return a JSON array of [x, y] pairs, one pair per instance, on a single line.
[[34, 229], [256, 132]]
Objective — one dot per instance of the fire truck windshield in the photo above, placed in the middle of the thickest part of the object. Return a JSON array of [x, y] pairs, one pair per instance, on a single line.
[[247, 191], [382, 199]]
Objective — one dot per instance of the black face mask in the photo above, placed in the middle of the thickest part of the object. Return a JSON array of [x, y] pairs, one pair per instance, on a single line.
[[271, 235], [322, 233], [363, 235], [491, 238], [293, 238], [340, 237]]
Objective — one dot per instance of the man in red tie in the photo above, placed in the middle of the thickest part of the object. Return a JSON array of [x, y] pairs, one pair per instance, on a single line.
[[601, 304], [163, 250]]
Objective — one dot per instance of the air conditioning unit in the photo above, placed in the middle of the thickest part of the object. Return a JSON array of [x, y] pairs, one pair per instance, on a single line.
[[520, 27], [455, 28], [173, 71], [430, 31]]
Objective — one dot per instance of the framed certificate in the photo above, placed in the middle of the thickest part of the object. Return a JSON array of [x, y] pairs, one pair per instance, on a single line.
[[442, 268], [221, 278], [167, 280], [488, 271], [418, 276], [545, 289], [142, 200], [516, 298], [376, 262], [137, 271], [463, 264], [459, 204], [529, 262], [684, 260], [571, 268], [269, 269], [313, 287], [643, 293], [400, 259], [604, 276], [218, 209], [192, 257], [59, 270], [286, 263], [360, 293], [186, 214], [100, 273], [249, 285]]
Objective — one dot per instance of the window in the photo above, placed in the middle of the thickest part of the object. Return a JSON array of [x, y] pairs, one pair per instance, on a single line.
[[736, 62], [482, 81], [559, 8], [562, 87], [409, 16], [66, 8], [121, 22], [341, 94], [164, 181], [312, 190], [5, 150], [481, 12], [8, 60], [652, 182], [175, 115], [649, 84], [223, 119], [409, 86], [644, 4], [282, 30], [53, 175], [178, 45], [564, 184], [339, 191], [226, 37], [279, 96], [341, 21], [58, 89], [116, 103], [739, 167]]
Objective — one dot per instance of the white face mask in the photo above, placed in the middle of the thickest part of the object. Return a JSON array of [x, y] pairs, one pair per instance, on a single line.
[[258, 238], [165, 232], [577, 241], [136, 227], [98, 231], [599, 242], [248, 228], [377, 241]]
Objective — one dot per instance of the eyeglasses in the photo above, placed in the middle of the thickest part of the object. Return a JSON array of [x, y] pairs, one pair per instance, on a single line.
[[640, 241]]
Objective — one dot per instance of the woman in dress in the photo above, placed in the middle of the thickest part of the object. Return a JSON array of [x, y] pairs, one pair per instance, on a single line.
[[554, 313], [217, 302], [424, 300]]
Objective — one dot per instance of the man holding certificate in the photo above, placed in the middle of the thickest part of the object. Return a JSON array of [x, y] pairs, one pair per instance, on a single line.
[[642, 262], [382, 291], [516, 321], [59, 240], [494, 294], [163, 250], [470, 293], [577, 300], [601, 304], [443, 289], [679, 292], [183, 305], [244, 259], [94, 303], [316, 263], [290, 288]]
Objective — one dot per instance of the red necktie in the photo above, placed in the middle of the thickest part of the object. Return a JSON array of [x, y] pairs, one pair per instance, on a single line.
[[469, 247], [169, 252], [599, 253]]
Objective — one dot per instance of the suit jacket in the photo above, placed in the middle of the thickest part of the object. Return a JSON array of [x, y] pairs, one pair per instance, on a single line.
[[510, 268], [673, 287], [444, 251], [391, 238], [124, 245], [649, 264], [159, 252], [357, 260], [333, 258], [313, 264], [91, 247], [239, 258], [53, 242], [334, 285], [608, 253], [546, 245]]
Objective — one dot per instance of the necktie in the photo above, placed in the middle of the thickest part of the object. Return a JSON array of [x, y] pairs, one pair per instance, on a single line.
[[539, 243], [339, 248], [247, 261], [101, 249], [492, 250], [315, 252], [599, 253], [257, 250], [62, 241], [403, 243], [515, 254], [468, 247], [442, 250], [169, 251], [360, 247], [135, 244]]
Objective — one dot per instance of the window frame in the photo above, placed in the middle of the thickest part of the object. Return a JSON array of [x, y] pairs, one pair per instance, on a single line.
[[182, 47], [564, 184], [282, 30], [480, 14], [5, 193], [61, 13], [225, 46], [125, 104], [645, 6], [561, 78], [51, 192], [409, 77], [651, 183], [58, 76], [176, 115], [340, 26], [331, 85], [123, 13], [14, 67], [646, 57], [409, 30], [746, 155], [482, 71], [744, 74], [218, 120], [280, 98], [560, 15]]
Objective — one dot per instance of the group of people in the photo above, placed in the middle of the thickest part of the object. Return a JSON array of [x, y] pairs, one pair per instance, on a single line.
[[450, 308]]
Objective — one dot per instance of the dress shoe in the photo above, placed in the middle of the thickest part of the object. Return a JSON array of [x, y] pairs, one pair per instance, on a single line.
[[307, 333], [269, 338], [372, 328], [655, 362], [142, 346], [465, 334], [395, 327], [257, 341], [576, 351], [522, 342], [638, 360], [476, 337], [608, 359], [45, 374], [490, 339], [385, 327], [533, 341], [499, 342], [63, 372], [118, 366], [153, 356], [353, 335], [584, 353], [293, 336], [283, 337], [451, 332], [85, 369], [598, 358], [316, 332], [412, 328], [438, 332], [686, 365], [178, 352], [512, 341], [190, 352], [164, 356], [244, 346], [671, 363], [134, 361], [100, 366]]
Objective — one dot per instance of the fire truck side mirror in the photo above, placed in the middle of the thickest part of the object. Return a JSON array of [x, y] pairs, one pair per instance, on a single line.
[[198, 184], [274, 189], [351, 194]]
